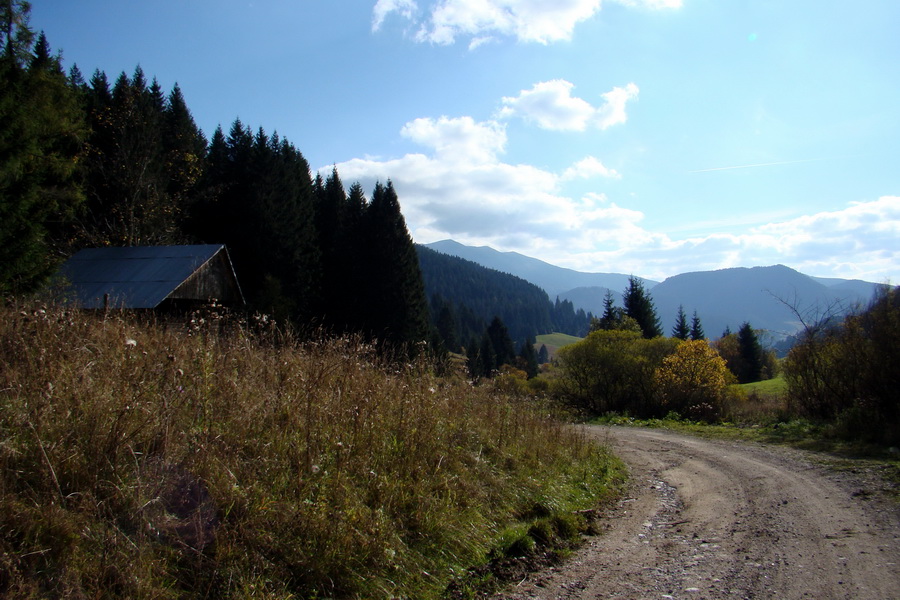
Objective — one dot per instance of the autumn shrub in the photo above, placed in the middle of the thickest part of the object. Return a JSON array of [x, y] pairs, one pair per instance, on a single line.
[[847, 375], [693, 381], [612, 371], [144, 461]]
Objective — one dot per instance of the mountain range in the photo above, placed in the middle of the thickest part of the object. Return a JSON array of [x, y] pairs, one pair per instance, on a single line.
[[775, 298]]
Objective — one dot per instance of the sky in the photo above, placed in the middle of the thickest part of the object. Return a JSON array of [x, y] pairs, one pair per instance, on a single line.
[[647, 137]]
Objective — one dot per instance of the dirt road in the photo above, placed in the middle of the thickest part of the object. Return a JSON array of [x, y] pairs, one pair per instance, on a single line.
[[707, 520]]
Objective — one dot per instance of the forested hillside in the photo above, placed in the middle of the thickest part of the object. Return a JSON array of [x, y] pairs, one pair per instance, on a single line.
[[465, 297], [90, 163]]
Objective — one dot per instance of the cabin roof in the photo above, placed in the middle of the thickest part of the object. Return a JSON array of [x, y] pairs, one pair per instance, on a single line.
[[141, 276]]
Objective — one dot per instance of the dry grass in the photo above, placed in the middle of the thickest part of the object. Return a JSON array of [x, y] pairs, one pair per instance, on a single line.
[[144, 462]]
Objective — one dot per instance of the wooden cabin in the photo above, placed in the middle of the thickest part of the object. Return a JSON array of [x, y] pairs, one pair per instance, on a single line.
[[151, 277]]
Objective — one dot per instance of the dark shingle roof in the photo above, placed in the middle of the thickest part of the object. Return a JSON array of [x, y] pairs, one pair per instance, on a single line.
[[134, 277]]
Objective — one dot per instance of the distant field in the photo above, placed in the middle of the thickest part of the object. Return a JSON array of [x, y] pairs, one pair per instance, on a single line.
[[769, 387], [555, 341]]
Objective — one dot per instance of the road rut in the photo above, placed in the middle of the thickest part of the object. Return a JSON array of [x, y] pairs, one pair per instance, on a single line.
[[712, 519]]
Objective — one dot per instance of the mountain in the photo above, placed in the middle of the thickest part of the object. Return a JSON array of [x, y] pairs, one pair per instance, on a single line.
[[762, 296], [554, 280], [476, 294]]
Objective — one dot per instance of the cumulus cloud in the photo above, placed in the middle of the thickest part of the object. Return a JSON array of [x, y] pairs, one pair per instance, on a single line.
[[550, 105], [406, 9], [460, 187], [526, 20], [459, 139], [589, 167]]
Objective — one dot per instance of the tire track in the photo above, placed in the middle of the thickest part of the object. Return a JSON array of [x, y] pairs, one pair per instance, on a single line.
[[717, 520]]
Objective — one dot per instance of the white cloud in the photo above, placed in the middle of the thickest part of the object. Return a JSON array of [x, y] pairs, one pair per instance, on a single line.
[[550, 105], [652, 4], [538, 21], [458, 140], [613, 110], [383, 8], [589, 167], [461, 188]]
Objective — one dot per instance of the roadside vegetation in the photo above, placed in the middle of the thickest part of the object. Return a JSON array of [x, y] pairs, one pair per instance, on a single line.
[[148, 460], [836, 389]]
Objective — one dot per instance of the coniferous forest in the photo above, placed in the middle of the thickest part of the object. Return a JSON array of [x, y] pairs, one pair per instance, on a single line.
[[91, 162]]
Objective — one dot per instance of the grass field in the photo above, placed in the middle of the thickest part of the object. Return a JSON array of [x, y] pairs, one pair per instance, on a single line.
[[153, 461], [555, 341], [774, 387]]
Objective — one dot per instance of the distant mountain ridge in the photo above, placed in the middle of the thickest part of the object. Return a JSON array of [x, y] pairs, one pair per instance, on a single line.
[[554, 280], [762, 296]]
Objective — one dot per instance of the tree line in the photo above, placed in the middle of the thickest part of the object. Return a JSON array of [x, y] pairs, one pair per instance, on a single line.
[[87, 163]]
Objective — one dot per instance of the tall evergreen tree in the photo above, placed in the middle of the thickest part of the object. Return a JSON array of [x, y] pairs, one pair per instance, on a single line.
[[446, 325], [127, 172], [487, 360], [751, 354], [527, 359], [697, 328], [396, 308], [639, 306], [543, 355], [681, 329], [185, 150], [16, 36], [611, 313], [41, 133], [502, 345], [259, 202]]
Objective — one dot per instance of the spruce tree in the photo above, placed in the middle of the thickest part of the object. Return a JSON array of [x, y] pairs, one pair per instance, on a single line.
[[681, 329], [543, 355], [41, 133], [751, 354], [697, 328], [527, 360], [639, 306], [612, 315], [502, 345], [396, 309]]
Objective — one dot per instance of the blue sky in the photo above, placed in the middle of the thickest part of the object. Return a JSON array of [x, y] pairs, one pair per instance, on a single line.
[[651, 137]]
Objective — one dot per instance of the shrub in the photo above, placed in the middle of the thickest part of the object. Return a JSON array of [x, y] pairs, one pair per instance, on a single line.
[[848, 372], [693, 381], [612, 370]]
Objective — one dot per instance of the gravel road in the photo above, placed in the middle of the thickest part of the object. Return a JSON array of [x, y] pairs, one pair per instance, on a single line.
[[710, 519]]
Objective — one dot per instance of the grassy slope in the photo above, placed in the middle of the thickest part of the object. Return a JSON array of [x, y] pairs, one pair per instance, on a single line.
[[139, 461], [555, 341]]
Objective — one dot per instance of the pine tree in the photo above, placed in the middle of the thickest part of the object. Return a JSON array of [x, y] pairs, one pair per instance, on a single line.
[[527, 359], [751, 353], [681, 329], [639, 306], [16, 37], [396, 309], [446, 325], [697, 328], [543, 355], [127, 175], [501, 344], [185, 150], [612, 315], [41, 133]]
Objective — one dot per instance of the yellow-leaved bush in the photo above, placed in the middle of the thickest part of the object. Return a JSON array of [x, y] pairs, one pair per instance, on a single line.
[[693, 380]]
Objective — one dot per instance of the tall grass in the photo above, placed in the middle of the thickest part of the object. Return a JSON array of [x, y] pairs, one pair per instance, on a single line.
[[143, 461]]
